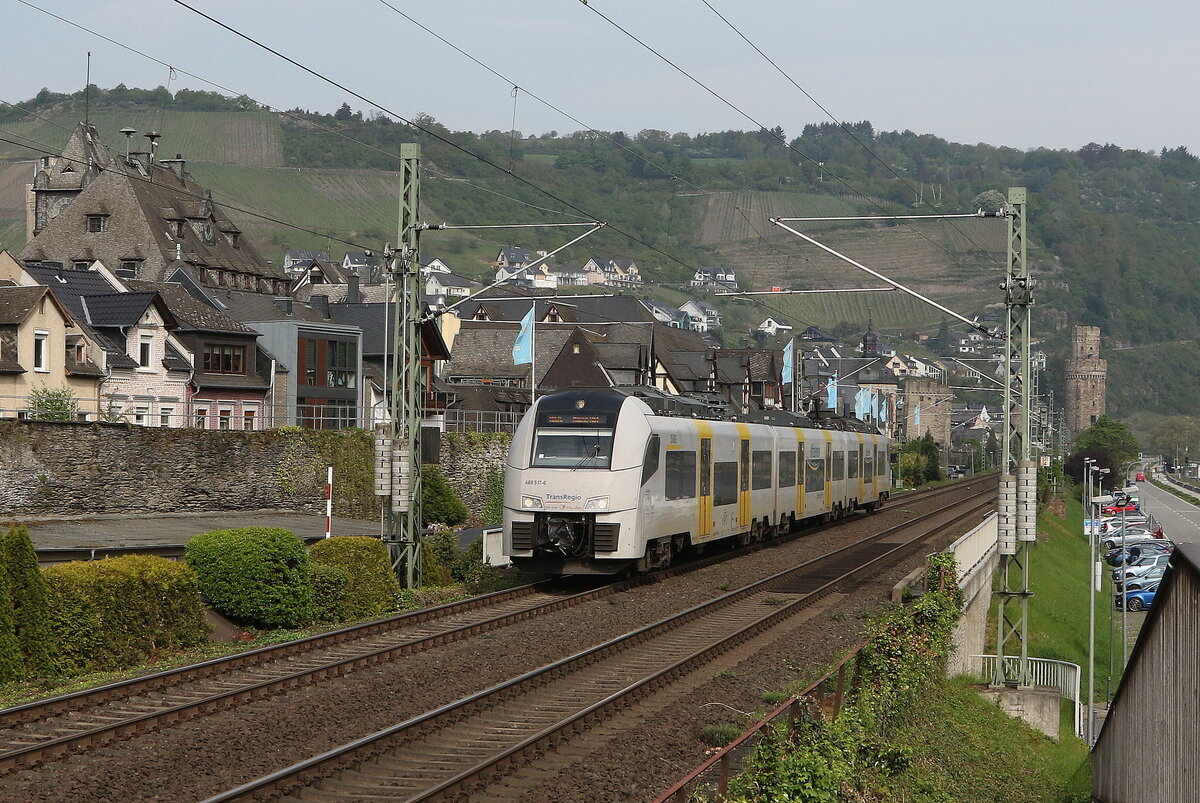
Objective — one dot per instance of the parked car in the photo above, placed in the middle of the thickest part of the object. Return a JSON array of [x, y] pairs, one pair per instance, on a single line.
[[1152, 577], [1139, 567], [1113, 556], [1115, 509], [1136, 600], [1131, 536], [1119, 522]]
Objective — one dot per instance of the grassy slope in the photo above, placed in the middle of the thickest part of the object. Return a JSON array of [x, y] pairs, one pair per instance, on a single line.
[[963, 748]]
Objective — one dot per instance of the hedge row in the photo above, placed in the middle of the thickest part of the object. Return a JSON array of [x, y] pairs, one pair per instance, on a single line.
[[264, 577], [119, 612]]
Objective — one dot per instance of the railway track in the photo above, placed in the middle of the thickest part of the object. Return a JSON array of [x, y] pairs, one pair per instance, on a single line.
[[41, 732], [465, 747]]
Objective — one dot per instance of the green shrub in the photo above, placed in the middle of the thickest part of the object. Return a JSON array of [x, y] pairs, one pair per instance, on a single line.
[[493, 506], [720, 735], [257, 576], [12, 662], [330, 594], [118, 612], [52, 404], [439, 505], [372, 588], [30, 605]]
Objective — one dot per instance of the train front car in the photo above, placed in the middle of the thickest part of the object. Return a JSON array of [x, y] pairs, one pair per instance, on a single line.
[[571, 488]]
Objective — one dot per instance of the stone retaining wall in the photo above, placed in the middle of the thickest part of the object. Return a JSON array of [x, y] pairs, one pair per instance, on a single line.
[[71, 469]]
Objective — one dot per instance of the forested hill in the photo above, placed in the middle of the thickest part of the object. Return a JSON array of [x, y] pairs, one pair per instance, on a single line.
[[1114, 233]]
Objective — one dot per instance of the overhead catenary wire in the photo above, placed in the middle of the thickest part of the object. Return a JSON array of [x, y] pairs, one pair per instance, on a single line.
[[762, 127], [438, 137], [44, 149], [849, 131], [432, 134], [602, 134]]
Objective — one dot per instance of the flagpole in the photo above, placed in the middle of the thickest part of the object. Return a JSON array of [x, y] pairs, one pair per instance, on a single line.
[[533, 354]]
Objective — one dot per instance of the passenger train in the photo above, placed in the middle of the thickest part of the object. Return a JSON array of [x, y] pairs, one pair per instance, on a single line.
[[597, 482]]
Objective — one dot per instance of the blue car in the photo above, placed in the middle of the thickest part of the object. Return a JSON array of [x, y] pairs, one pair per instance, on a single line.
[[1136, 600]]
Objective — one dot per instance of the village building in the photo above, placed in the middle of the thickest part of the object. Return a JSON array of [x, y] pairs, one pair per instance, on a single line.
[[144, 217]]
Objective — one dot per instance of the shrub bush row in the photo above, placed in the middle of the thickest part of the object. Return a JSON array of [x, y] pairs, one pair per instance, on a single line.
[[118, 612]]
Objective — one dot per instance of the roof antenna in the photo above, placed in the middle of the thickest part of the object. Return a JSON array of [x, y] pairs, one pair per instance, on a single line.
[[128, 132], [87, 90], [153, 137]]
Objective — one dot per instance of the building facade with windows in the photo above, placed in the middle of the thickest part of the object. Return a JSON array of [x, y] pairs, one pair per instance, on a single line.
[[41, 348]]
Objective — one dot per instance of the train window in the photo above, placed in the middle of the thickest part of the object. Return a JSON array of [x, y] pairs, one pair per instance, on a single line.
[[880, 463], [814, 475], [761, 470], [706, 466], [839, 466], [681, 475], [853, 465], [650, 464], [725, 483], [868, 466], [572, 448], [787, 469]]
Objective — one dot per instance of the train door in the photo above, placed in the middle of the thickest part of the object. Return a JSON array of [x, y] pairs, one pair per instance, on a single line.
[[744, 478], [862, 471], [828, 470], [801, 457], [704, 528]]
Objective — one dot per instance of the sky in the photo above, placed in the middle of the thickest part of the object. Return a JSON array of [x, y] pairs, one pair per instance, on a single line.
[[1023, 73]]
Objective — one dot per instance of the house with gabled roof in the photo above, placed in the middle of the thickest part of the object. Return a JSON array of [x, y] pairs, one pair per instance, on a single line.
[[449, 287], [364, 264], [612, 272], [668, 315], [718, 279], [146, 369], [146, 217], [42, 348], [705, 317], [232, 377], [773, 326], [294, 260]]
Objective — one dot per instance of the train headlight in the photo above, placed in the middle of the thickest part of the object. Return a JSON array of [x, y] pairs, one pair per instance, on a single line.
[[596, 503], [529, 502]]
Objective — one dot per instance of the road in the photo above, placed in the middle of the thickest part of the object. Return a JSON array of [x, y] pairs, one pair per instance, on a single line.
[[1180, 520]]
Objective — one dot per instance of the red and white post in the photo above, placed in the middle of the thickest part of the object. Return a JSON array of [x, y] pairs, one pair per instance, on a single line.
[[329, 503]]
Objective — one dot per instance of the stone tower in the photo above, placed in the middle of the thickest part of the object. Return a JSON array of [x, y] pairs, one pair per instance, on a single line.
[[1086, 375]]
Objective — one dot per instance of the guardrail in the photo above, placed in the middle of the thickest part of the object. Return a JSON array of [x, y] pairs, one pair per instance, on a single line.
[[1061, 675], [822, 699]]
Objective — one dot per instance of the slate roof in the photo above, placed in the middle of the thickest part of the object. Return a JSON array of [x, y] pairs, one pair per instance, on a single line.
[[70, 283], [249, 307], [191, 313], [514, 255], [122, 309], [453, 280], [81, 161], [143, 201], [16, 302], [484, 349]]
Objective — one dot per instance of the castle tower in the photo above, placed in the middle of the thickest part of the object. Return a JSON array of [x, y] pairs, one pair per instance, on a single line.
[[1086, 375]]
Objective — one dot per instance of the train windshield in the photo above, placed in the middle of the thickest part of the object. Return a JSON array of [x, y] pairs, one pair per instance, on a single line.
[[573, 448]]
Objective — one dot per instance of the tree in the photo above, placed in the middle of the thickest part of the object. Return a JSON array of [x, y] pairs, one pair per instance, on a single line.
[[53, 404], [439, 505], [1112, 437], [343, 113], [29, 600]]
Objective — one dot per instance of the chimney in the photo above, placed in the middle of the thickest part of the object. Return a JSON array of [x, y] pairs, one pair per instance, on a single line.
[[353, 296], [175, 164], [320, 304], [284, 303]]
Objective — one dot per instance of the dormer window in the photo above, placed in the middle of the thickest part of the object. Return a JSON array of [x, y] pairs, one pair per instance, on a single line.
[[97, 223], [179, 226]]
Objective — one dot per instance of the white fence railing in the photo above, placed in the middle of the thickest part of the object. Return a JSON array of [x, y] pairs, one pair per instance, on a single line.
[[1061, 675]]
